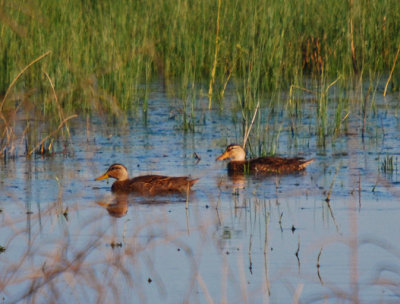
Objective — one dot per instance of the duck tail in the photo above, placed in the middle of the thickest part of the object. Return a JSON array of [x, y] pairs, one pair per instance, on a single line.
[[193, 181], [305, 163]]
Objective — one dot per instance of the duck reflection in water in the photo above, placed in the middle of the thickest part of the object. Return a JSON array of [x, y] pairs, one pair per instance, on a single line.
[[118, 207], [238, 181]]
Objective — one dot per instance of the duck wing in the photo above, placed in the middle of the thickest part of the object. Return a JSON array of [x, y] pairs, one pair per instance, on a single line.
[[278, 164], [156, 184]]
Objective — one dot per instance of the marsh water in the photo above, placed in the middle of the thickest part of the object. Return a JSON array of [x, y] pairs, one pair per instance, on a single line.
[[329, 234]]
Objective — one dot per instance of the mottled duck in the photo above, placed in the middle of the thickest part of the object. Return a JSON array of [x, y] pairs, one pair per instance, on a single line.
[[261, 165], [146, 184]]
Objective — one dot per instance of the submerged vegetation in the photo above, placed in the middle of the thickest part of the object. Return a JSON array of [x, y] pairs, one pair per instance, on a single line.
[[388, 165]]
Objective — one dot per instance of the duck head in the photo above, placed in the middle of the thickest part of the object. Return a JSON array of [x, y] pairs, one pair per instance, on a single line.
[[117, 171], [234, 153]]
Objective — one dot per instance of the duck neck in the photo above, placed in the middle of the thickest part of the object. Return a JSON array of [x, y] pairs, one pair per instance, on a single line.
[[119, 186], [239, 155], [123, 177]]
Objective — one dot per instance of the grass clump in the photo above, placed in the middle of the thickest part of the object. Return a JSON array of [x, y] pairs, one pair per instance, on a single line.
[[104, 55], [105, 50]]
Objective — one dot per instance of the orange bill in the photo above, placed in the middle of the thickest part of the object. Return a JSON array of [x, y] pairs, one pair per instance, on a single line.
[[224, 155], [102, 204], [104, 176]]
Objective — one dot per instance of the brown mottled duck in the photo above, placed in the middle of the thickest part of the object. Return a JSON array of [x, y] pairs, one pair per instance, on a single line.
[[261, 165], [146, 184]]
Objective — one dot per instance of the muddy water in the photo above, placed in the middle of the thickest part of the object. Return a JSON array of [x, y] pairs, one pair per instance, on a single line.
[[248, 239]]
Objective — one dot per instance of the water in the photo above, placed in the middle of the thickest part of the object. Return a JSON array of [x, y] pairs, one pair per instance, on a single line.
[[252, 239]]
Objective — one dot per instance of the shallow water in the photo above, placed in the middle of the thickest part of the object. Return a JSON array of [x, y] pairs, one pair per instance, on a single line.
[[251, 239]]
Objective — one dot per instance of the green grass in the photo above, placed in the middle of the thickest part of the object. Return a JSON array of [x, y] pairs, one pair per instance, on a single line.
[[104, 54], [104, 50]]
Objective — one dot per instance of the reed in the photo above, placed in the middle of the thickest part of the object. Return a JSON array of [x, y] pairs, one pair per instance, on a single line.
[[104, 56], [214, 66], [109, 48], [389, 165]]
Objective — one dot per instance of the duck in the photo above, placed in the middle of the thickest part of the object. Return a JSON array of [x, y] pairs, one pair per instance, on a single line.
[[148, 185], [261, 165]]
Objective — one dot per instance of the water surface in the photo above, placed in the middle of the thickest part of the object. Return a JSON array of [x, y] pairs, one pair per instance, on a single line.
[[251, 239]]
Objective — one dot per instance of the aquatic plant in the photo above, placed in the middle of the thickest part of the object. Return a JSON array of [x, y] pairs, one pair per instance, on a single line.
[[388, 165], [106, 49], [10, 120], [105, 56]]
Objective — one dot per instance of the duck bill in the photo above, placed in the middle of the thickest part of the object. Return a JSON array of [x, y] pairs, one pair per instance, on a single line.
[[223, 156], [104, 176], [103, 204]]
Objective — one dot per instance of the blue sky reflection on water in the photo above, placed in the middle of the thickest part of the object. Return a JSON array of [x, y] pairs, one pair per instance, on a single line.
[[238, 240]]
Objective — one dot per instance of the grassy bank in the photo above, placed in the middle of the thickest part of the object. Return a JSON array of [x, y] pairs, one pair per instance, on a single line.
[[104, 50]]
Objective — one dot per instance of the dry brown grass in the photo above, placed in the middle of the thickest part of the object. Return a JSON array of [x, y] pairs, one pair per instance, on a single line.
[[20, 109]]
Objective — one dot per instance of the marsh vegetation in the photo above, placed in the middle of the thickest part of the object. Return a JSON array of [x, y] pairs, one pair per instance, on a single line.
[[164, 87]]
